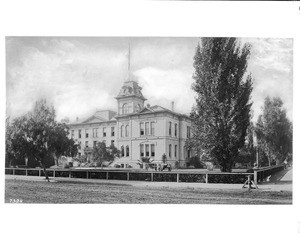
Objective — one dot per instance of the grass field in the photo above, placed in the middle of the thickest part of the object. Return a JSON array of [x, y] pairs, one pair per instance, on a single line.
[[73, 192]]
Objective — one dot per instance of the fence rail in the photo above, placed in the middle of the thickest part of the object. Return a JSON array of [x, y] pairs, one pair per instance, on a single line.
[[174, 176]]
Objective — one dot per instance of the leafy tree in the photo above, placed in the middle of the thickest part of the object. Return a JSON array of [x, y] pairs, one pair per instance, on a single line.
[[195, 161], [274, 131], [114, 152], [34, 136], [221, 115], [101, 153], [62, 145], [247, 154]]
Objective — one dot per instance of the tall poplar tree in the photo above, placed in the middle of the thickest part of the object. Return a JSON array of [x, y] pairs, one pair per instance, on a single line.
[[221, 115]]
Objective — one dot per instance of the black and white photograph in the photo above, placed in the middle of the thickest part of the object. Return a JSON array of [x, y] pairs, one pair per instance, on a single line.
[[152, 117], [149, 120]]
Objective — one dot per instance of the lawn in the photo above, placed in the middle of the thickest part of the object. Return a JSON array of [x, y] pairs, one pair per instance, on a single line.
[[78, 192]]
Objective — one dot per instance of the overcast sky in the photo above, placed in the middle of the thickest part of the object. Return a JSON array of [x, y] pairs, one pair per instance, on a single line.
[[80, 75]]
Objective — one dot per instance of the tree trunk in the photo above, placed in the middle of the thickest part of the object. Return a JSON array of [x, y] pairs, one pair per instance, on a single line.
[[45, 171]]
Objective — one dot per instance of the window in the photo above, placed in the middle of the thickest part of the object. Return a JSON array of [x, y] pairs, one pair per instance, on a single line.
[[170, 150], [142, 128], [189, 153], [126, 130], [152, 128], [147, 128], [122, 131], [104, 131], [79, 134], [188, 132], [72, 134], [86, 144], [125, 109], [175, 130], [147, 150], [170, 128], [79, 145], [112, 142], [95, 132], [152, 150], [122, 151], [86, 133], [175, 151], [142, 150], [127, 151], [95, 143], [112, 131]]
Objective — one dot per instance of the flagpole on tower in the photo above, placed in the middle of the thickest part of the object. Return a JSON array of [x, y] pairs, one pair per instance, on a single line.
[[128, 62]]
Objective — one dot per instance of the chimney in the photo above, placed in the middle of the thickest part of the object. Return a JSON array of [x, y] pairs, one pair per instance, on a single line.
[[148, 105], [172, 106]]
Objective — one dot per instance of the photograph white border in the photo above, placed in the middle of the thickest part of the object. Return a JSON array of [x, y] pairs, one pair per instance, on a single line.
[[151, 18]]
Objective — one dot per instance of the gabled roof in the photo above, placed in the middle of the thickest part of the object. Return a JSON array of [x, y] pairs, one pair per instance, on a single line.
[[98, 116], [93, 119]]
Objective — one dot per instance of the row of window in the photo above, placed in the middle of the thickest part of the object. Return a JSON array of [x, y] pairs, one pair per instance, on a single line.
[[124, 151], [170, 129], [112, 142], [124, 131], [170, 150], [147, 128], [147, 150], [94, 132]]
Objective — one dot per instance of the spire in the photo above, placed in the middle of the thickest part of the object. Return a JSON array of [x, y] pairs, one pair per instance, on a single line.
[[129, 70]]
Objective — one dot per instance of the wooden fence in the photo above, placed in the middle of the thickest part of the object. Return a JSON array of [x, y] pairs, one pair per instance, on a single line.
[[156, 176]]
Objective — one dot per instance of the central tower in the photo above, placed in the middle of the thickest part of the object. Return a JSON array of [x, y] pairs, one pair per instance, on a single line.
[[130, 98]]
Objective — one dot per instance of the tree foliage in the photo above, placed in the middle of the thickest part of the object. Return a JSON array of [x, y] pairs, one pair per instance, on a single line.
[[274, 131], [101, 153], [222, 112], [38, 136], [247, 154]]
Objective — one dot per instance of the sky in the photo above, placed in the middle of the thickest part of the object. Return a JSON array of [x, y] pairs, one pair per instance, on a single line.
[[79, 75]]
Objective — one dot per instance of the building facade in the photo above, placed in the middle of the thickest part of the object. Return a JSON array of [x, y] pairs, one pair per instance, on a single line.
[[138, 131]]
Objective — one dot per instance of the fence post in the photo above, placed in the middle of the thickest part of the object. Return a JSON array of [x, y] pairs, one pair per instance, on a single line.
[[87, 174], [70, 173], [39, 173], [255, 177], [53, 173], [127, 175], [177, 178], [151, 177], [14, 171], [26, 172], [206, 178], [107, 175]]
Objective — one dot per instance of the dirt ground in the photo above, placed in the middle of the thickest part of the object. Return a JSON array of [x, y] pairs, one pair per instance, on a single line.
[[26, 191]]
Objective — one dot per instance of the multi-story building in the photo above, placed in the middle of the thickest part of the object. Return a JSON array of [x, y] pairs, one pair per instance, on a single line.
[[138, 131]]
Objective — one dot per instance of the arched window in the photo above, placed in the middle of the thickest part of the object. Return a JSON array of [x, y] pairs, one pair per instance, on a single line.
[[125, 108], [122, 151], [122, 131], [170, 150], [127, 151], [138, 108], [126, 130]]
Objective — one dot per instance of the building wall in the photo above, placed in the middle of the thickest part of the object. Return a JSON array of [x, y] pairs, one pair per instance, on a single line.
[[91, 138]]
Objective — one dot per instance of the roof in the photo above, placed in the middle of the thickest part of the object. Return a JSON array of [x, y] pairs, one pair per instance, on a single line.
[[153, 109], [98, 117]]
